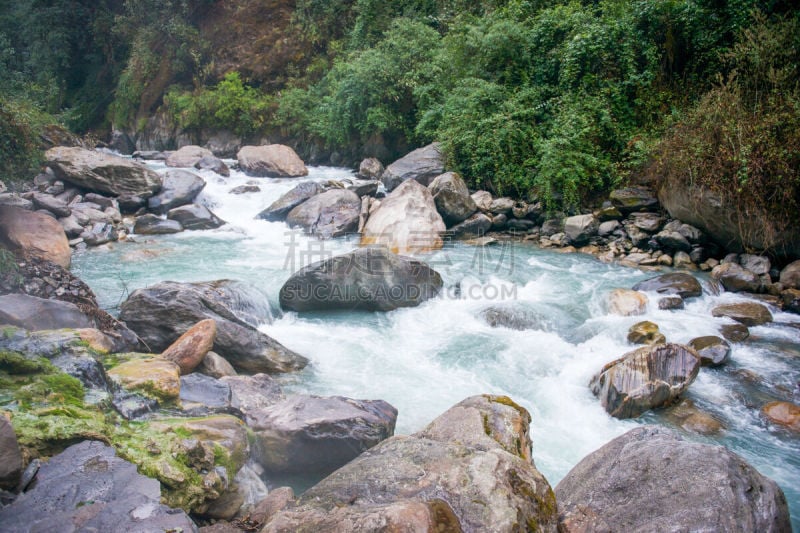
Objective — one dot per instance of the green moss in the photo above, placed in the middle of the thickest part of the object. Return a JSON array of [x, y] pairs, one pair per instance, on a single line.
[[487, 427], [505, 400], [17, 363]]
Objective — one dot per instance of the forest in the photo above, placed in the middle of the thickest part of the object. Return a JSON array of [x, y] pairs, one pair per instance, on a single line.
[[557, 100]]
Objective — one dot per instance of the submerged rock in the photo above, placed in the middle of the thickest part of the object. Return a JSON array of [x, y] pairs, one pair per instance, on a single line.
[[369, 279], [314, 436], [651, 475], [88, 488], [674, 283], [512, 318], [469, 470], [272, 160], [649, 377], [161, 313], [734, 332], [690, 418], [406, 221]]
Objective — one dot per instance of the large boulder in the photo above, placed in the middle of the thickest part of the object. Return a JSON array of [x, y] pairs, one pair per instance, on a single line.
[[272, 160], [161, 313], [371, 169], [725, 222], [101, 172], [790, 275], [747, 313], [581, 228], [333, 213], [195, 217], [179, 187], [88, 488], [674, 283], [187, 156], [35, 234], [35, 314], [649, 377], [370, 279], [278, 209], [10, 456], [452, 199], [469, 470], [406, 221], [314, 436], [422, 165], [736, 278], [652, 478], [632, 199]]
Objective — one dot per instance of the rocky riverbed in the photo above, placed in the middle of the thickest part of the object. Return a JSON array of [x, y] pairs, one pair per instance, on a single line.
[[222, 375]]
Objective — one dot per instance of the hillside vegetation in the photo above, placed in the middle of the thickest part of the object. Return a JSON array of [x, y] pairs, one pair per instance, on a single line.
[[560, 100]]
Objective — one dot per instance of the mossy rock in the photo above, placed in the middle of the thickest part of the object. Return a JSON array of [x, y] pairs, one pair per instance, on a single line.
[[152, 377]]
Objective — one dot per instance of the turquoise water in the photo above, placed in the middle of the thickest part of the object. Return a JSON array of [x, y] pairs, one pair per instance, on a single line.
[[424, 360]]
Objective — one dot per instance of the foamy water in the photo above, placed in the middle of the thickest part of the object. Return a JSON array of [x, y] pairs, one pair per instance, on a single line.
[[425, 359]]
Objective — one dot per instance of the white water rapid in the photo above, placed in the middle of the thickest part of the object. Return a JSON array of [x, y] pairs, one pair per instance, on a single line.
[[423, 360]]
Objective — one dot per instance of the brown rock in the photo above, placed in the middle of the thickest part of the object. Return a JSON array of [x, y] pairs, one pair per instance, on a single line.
[[747, 313], [734, 332], [645, 332], [712, 350], [34, 233], [273, 160], [277, 500], [626, 302], [649, 377], [783, 413], [689, 417], [187, 156], [191, 347]]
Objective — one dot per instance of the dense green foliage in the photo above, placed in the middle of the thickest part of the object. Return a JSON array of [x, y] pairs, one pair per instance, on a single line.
[[742, 140], [558, 99]]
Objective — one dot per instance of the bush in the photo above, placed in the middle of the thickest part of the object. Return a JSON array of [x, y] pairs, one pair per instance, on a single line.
[[229, 105], [742, 140]]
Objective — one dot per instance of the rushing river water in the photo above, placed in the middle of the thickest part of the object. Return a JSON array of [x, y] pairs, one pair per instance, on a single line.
[[423, 360]]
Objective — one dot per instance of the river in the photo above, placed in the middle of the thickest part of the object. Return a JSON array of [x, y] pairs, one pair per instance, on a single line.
[[423, 360]]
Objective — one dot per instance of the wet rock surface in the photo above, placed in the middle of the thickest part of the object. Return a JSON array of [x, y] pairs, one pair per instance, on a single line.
[[645, 378], [91, 489], [651, 475]]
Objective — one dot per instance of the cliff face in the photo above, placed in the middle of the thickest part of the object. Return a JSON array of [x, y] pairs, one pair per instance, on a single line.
[[255, 38]]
